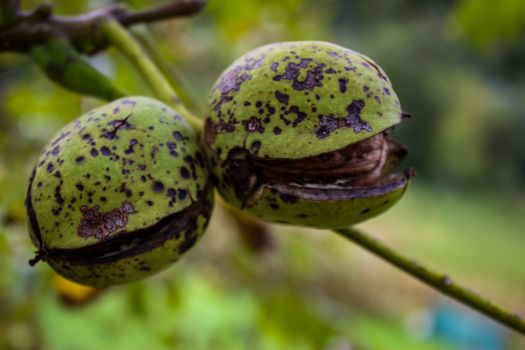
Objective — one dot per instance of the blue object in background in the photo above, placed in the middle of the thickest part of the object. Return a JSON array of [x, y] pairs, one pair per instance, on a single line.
[[465, 329]]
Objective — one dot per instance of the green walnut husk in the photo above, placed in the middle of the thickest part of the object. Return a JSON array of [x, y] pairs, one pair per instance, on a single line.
[[297, 133], [119, 194]]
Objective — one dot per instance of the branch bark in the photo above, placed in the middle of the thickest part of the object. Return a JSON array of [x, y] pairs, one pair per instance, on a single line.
[[30, 29], [162, 12]]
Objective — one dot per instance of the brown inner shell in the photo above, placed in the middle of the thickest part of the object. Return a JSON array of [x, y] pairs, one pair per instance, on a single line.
[[357, 170], [361, 164]]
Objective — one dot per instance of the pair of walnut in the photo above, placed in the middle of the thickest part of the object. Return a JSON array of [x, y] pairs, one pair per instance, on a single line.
[[295, 133]]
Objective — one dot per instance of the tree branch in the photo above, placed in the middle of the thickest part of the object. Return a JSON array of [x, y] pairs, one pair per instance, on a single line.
[[437, 280], [163, 12], [30, 29]]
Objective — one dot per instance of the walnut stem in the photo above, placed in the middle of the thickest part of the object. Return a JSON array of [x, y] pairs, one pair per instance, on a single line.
[[437, 280], [143, 35], [119, 37]]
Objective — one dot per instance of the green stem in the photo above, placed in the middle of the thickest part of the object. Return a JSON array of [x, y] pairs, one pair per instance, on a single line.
[[119, 37], [437, 280], [143, 35]]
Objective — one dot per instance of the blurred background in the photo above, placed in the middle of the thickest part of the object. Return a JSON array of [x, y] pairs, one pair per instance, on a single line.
[[458, 68]]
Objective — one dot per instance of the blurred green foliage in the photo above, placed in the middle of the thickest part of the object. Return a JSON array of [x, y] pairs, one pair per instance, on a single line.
[[486, 25], [458, 68]]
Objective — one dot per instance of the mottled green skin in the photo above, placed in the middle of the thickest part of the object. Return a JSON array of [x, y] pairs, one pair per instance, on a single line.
[[271, 205], [254, 78], [132, 153], [137, 267], [294, 100], [324, 214]]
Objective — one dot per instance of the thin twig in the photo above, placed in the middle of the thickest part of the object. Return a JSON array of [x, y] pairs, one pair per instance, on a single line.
[[441, 282]]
